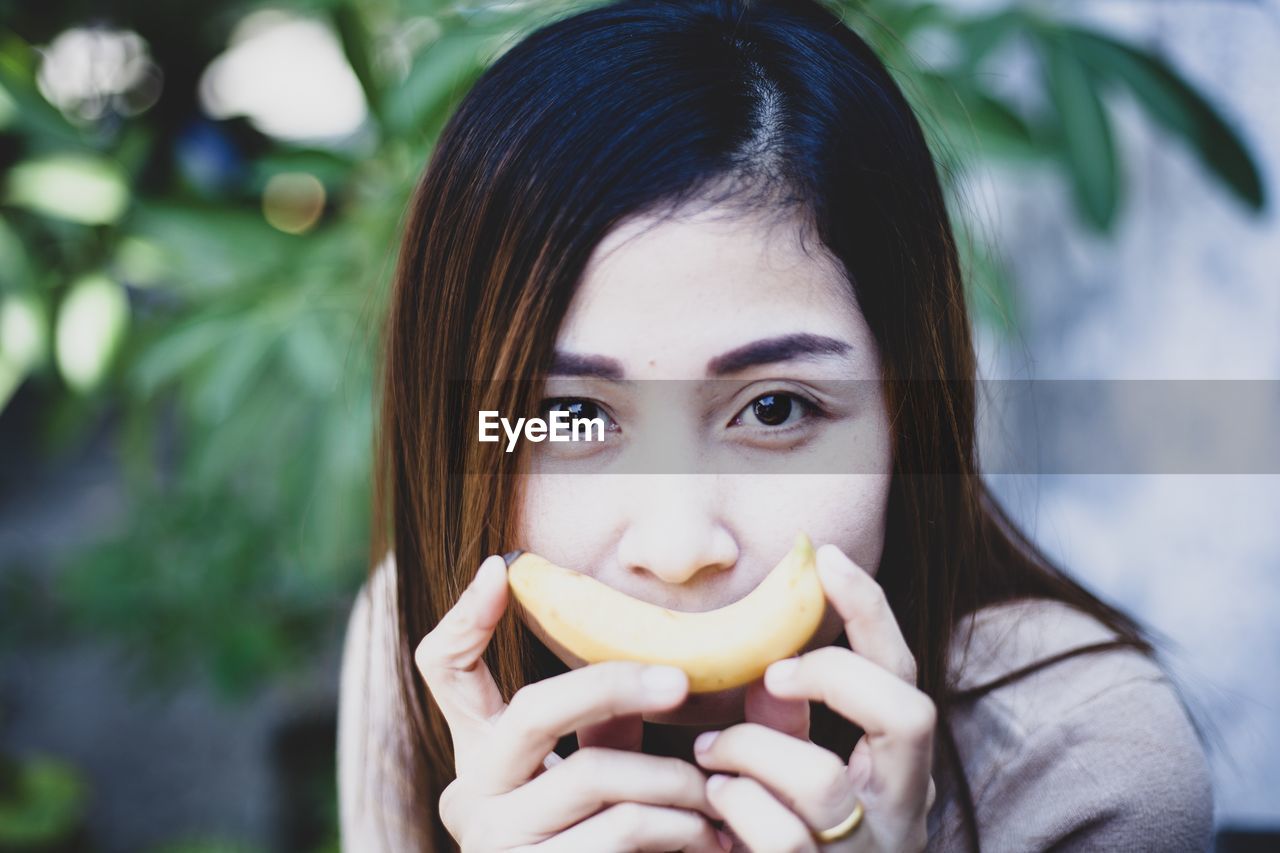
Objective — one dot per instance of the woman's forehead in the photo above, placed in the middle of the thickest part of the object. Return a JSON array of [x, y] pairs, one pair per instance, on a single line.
[[674, 295]]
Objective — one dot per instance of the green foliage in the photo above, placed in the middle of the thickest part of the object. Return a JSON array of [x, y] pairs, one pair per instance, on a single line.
[[42, 803], [243, 383], [1089, 152], [1173, 103], [1067, 128]]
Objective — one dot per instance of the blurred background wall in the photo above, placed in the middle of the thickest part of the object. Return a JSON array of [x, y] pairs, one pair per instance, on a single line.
[[1185, 287], [199, 211]]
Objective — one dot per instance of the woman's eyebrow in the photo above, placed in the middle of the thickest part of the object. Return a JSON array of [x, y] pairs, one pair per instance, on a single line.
[[770, 350], [764, 351], [595, 366]]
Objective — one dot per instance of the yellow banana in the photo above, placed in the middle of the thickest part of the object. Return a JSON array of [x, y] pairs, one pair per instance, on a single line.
[[718, 649]]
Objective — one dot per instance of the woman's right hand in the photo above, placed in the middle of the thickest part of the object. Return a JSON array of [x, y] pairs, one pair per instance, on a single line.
[[507, 794]]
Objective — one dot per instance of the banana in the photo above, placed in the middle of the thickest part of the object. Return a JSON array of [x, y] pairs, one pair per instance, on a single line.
[[718, 649]]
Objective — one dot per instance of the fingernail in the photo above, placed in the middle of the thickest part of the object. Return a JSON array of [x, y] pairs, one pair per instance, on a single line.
[[716, 782], [834, 561], [781, 672], [664, 681], [490, 571], [500, 566], [703, 741], [726, 843]]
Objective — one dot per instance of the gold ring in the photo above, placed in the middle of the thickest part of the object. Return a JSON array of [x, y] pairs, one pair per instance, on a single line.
[[844, 828]]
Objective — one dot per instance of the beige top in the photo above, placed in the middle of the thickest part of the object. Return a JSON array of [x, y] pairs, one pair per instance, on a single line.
[[1092, 753]]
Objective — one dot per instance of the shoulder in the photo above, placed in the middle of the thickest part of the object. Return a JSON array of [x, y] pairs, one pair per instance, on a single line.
[[1091, 751], [371, 725]]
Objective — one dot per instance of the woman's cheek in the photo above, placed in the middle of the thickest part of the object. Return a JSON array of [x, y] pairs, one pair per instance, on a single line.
[[565, 517], [848, 510]]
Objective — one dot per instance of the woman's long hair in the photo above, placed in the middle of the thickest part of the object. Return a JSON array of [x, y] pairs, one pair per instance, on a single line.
[[639, 107]]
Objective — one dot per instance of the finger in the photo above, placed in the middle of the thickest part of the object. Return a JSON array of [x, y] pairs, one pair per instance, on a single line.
[[596, 777], [449, 658], [860, 764], [809, 780], [544, 711], [868, 621], [789, 716], [898, 719], [638, 827], [756, 816]]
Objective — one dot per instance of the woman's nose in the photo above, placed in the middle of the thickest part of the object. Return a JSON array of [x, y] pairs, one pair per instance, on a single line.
[[674, 528]]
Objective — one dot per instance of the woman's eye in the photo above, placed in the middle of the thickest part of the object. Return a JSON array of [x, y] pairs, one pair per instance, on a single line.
[[576, 408], [775, 410]]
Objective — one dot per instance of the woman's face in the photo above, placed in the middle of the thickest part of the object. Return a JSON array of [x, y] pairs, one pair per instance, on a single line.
[[718, 306]]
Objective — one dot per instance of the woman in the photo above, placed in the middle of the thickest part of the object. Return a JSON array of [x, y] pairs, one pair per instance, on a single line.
[[716, 227]]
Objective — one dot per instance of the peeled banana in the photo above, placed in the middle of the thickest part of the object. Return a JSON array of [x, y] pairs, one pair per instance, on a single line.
[[718, 649]]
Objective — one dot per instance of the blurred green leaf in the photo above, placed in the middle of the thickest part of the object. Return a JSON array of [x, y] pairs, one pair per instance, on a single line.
[[355, 38], [42, 801], [138, 262], [439, 76], [1089, 150], [982, 125], [211, 248], [24, 326], [33, 113], [311, 356], [219, 387], [8, 108], [11, 376], [75, 187], [92, 321], [1172, 102], [24, 339], [15, 265], [895, 20], [982, 34], [177, 351], [331, 169]]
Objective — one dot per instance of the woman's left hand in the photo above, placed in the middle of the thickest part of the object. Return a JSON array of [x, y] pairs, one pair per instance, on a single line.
[[789, 788]]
